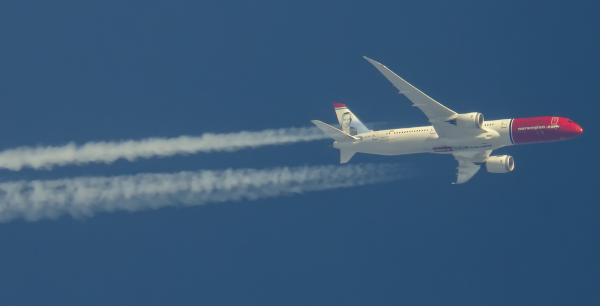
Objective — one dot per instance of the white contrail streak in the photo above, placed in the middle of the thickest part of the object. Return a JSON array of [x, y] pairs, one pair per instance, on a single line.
[[108, 152], [84, 196]]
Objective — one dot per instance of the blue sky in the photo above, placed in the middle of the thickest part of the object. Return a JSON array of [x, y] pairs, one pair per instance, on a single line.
[[94, 71]]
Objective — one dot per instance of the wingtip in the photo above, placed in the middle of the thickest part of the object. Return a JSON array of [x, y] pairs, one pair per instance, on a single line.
[[373, 62]]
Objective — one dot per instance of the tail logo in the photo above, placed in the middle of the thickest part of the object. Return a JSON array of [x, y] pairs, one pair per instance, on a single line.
[[349, 123], [346, 121]]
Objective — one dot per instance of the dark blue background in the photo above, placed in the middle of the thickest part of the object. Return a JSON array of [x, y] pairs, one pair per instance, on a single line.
[[108, 70]]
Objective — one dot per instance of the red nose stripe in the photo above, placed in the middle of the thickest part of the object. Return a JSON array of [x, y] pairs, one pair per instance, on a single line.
[[338, 105], [543, 129]]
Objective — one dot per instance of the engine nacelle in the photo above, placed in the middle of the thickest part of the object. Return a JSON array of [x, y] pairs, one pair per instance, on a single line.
[[500, 164], [471, 121]]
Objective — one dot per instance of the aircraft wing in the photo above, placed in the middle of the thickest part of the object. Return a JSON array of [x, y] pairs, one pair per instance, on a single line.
[[435, 112], [432, 109], [468, 164]]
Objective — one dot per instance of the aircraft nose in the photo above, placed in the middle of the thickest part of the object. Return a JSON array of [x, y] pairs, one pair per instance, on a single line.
[[576, 130]]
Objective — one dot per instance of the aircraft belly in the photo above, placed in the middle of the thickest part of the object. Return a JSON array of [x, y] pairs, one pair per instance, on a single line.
[[393, 147], [453, 146]]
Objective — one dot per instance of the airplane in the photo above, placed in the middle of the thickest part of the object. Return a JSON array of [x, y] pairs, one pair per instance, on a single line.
[[467, 136]]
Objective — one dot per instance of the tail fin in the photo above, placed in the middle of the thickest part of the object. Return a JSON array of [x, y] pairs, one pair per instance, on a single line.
[[338, 136], [334, 133], [348, 121]]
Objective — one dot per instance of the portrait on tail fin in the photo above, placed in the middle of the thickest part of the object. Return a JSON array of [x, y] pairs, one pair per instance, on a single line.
[[349, 123], [346, 122]]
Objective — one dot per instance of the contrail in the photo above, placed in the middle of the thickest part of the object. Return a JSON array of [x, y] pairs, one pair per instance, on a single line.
[[108, 152], [84, 196]]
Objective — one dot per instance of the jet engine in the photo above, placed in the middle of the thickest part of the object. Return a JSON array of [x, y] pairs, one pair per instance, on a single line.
[[500, 164], [468, 121]]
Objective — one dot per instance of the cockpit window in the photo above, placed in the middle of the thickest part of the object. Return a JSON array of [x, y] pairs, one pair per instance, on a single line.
[[570, 121]]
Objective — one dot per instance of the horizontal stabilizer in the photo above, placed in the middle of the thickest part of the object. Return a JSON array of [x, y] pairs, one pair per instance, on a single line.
[[334, 133], [345, 156]]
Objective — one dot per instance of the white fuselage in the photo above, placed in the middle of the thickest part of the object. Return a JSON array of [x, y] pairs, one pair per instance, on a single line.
[[424, 139]]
